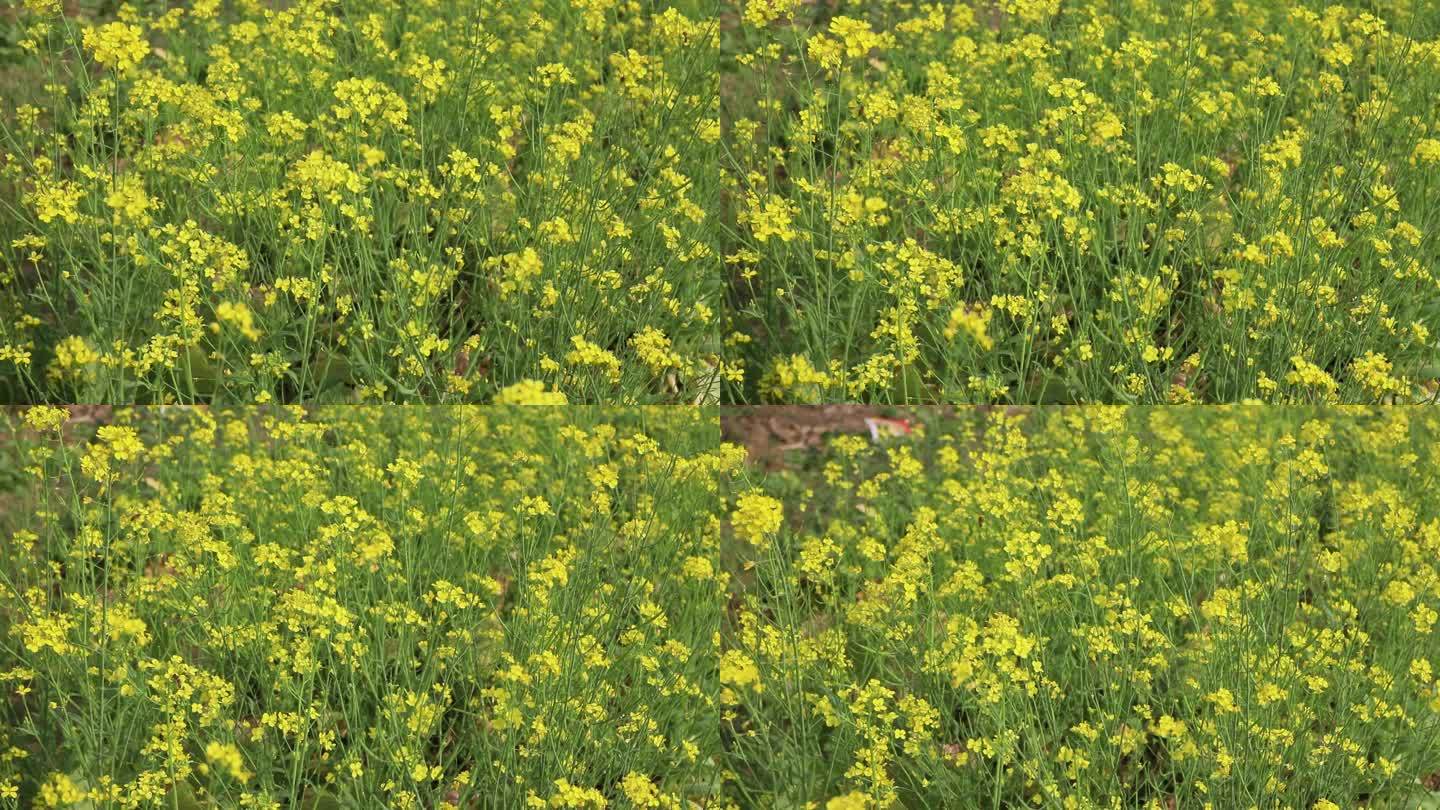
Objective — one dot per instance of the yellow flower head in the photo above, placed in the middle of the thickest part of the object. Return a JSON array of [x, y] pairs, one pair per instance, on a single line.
[[117, 45], [528, 392], [756, 517]]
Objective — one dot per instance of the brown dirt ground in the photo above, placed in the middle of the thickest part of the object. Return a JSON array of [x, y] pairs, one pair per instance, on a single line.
[[770, 431]]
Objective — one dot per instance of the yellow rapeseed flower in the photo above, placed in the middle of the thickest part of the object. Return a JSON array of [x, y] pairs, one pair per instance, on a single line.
[[118, 46]]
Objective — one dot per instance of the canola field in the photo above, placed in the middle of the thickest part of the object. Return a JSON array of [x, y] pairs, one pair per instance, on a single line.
[[1044, 201], [315, 200], [719, 404], [470, 607], [362, 607], [1228, 607]]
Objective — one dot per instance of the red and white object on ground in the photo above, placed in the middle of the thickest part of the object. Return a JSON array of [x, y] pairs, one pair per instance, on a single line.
[[881, 427]]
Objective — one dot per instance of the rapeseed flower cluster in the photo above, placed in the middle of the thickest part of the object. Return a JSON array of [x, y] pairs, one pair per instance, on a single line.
[[568, 606], [429, 606], [390, 361], [1220, 607], [1040, 202], [1020, 201], [388, 201]]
